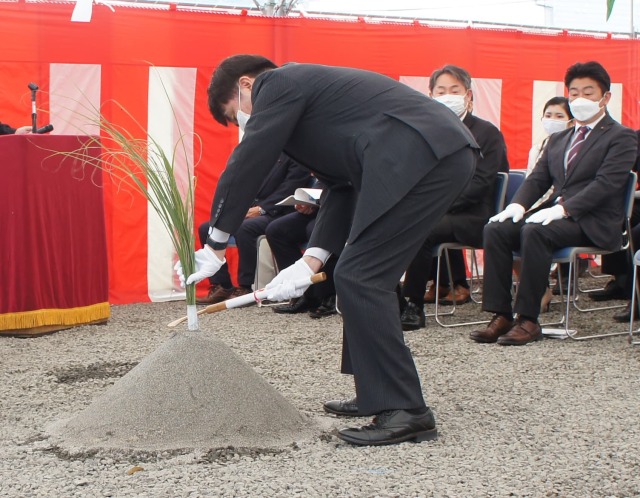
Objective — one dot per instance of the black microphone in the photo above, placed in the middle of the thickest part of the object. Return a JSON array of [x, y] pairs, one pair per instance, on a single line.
[[33, 87], [45, 129]]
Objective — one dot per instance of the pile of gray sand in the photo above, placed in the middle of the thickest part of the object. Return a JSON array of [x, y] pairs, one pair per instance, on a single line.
[[193, 392]]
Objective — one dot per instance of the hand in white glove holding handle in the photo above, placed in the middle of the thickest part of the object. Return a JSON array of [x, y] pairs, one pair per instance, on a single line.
[[207, 264], [514, 212], [283, 288], [546, 216]]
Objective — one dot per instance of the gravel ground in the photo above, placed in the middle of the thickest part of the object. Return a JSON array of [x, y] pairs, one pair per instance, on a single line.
[[554, 418]]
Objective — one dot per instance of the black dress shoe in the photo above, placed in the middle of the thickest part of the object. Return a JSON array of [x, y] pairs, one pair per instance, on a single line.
[[625, 315], [327, 308], [342, 407], [412, 317], [611, 291], [296, 305], [391, 427]]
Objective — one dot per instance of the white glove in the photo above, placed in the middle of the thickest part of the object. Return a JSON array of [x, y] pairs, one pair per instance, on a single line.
[[514, 212], [546, 216], [282, 287], [207, 264]]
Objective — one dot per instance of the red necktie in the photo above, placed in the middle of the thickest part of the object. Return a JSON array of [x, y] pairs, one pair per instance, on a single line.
[[576, 145]]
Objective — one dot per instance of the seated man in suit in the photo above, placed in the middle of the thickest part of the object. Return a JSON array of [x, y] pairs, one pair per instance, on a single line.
[[286, 235], [465, 220], [283, 179], [588, 166]]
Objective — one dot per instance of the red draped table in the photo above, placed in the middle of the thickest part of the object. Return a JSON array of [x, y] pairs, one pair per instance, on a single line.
[[53, 251]]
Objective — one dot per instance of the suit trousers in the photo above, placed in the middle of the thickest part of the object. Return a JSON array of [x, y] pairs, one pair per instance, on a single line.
[[368, 272], [286, 236], [536, 243]]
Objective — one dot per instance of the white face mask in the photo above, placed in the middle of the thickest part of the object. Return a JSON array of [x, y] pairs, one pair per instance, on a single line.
[[552, 126], [241, 116], [584, 109], [454, 102]]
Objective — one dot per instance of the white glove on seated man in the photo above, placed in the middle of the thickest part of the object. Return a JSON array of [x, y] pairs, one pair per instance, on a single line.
[[207, 264], [282, 287], [514, 212], [546, 216]]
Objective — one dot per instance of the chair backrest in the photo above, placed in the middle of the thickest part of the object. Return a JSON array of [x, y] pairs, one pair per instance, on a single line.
[[516, 178], [502, 182], [629, 199], [630, 193]]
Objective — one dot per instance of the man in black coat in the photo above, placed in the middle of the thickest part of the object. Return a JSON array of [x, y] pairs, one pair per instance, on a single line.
[[282, 180], [588, 166], [393, 161], [465, 220]]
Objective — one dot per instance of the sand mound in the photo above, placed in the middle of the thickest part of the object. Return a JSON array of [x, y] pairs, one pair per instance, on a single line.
[[192, 392]]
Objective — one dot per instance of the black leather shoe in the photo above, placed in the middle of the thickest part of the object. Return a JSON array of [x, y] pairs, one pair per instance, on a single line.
[[611, 291], [296, 305], [392, 427], [327, 308], [342, 407], [625, 315], [412, 317]]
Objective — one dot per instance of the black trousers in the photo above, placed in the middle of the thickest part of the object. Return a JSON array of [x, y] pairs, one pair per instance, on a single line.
[[370, 268], [619, 263], [422, 268], [286, 236], [536, 244], [246, 241]]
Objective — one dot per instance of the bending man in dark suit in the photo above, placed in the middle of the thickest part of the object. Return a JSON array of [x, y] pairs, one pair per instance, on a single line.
[[588, 166], [465, 220], [282, 180], [393, 161]]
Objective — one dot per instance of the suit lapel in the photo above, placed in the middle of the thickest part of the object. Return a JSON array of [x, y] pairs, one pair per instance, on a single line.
[[595, 134]]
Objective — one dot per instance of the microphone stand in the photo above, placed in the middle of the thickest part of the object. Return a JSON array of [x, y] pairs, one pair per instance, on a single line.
[[34, 116]]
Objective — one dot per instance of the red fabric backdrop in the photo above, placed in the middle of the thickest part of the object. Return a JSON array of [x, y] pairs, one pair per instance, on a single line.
[[126, 42]]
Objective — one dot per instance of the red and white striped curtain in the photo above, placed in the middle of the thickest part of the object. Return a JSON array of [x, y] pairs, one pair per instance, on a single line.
[[125, 63]]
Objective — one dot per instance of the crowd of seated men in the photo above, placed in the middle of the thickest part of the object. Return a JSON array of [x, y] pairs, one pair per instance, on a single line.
[[571, 196]]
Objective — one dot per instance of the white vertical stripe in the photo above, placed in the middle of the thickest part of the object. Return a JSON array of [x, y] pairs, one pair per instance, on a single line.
[[171, 125], [419, 83], [487, 99], [542, 92], [74, 99], [615, 104]]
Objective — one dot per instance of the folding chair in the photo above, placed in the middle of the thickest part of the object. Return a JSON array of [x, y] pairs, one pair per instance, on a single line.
[[569, 255], [501, 188], [634, 296]]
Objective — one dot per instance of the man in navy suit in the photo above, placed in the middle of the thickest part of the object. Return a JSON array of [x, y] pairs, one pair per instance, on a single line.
[[588, 166], [393, 161]]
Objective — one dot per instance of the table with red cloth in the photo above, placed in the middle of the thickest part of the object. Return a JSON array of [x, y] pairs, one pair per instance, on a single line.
[[53, 253]]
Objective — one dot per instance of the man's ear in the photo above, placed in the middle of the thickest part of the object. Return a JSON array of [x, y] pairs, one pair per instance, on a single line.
[[606, 98], [246, 82]]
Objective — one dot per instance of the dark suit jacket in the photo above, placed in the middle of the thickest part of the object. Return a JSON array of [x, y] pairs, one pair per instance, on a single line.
[[476, 204], [592, 191], [282, 180], [5, 129], [325, 118]]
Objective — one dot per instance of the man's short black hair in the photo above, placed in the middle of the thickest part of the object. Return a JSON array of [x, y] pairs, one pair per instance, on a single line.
[[462, 75], [591, 69], [224, 81]]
